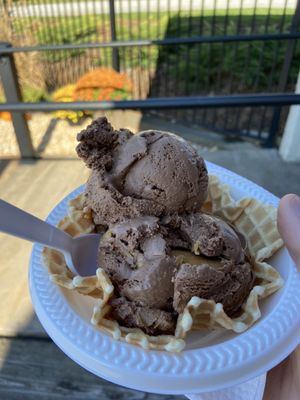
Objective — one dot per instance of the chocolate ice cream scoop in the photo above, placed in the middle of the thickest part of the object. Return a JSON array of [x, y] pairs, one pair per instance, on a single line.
[[152, 275], [169, 173], [216, 279], [134, 254], [151, 173], [147, 190], [213, 265]]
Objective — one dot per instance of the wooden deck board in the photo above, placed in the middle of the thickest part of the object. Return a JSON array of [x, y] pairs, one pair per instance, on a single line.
[[35, 186], [38, 370]]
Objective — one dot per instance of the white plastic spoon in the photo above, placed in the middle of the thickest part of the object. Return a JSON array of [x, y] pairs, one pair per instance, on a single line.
[[80, 252]]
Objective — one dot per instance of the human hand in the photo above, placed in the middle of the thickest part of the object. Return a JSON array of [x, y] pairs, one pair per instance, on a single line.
[[288, 222]]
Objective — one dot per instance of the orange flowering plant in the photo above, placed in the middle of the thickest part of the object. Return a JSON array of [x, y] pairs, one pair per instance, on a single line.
[[103, 84]]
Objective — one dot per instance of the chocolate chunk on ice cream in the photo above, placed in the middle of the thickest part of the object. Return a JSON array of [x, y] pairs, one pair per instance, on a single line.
[[204, 234], [95, 149], [151, 173]]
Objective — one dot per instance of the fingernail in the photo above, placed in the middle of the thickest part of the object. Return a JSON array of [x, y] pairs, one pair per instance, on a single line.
[[295, 203]]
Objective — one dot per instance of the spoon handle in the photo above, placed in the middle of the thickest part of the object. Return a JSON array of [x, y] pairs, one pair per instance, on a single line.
[[17, 222]]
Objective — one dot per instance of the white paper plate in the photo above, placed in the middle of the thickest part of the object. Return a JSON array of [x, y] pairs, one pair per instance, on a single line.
[[211, 361]]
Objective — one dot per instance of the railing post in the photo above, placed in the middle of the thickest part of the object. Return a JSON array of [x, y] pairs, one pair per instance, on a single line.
[[271, 141], [115, 51], [8, 74]]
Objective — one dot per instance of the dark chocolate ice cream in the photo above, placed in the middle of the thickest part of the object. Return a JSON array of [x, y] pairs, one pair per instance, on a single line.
[[217, 279], [151, 173], [151, 321], [215, 267], [154, 276], [135, 255], [159, 249], [204, 234]]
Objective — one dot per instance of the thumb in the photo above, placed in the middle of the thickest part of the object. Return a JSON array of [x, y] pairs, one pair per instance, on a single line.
[[288, 222]]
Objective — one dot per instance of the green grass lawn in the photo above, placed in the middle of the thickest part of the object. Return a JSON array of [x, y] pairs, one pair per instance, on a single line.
[[195, 68]]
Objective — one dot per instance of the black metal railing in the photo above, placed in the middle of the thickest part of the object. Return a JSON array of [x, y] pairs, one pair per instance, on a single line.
[[230, 71]]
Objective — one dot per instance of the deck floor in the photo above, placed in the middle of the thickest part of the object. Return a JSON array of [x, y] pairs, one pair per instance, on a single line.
[[32, 367]]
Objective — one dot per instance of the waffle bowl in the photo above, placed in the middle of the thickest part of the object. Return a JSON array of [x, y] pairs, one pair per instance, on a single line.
[[212, 359], [256, 221]]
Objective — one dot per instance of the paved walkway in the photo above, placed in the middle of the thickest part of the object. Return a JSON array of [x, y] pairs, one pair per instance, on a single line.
[[263, 166], [57, 138]]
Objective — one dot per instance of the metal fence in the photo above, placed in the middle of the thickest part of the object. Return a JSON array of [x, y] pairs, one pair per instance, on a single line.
[[226, 65]]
